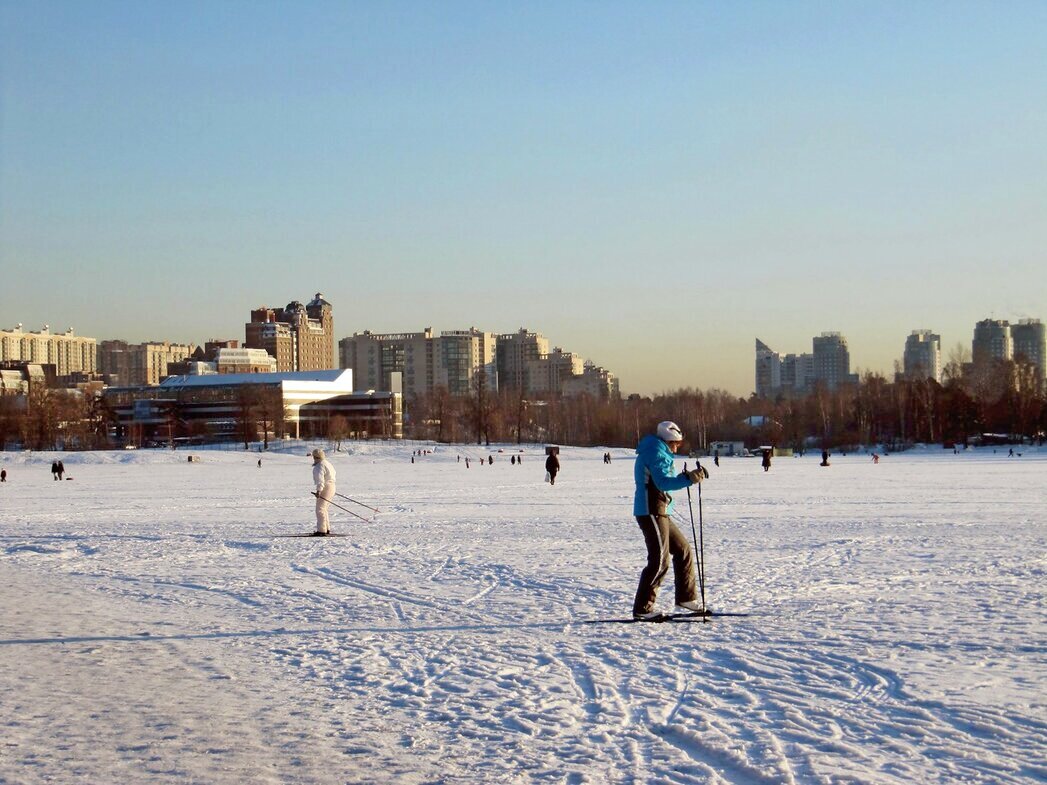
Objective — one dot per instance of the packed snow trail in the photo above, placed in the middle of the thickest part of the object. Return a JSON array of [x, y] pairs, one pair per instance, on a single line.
[[897, 635]]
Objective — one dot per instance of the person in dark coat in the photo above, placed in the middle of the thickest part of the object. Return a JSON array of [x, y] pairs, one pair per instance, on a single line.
[[61, 470], [54, 470], [552, 466], [766, 462], [3, 475], [825, 458]]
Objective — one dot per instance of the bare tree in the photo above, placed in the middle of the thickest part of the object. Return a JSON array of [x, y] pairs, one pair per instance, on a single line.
[[247, 400], [270, 411]]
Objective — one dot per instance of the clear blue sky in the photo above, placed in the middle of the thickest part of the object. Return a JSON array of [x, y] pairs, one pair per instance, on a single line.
[[650, 185]]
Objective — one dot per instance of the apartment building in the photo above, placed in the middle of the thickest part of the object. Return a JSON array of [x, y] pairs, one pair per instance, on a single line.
[[459, 359], [375, 357], [768, 370], [832, 360], [1029, 342], [67, 352], [548, 373], [124, 363], [514, 352], [796, 374], [992, 341], [922, 358], [594, 381], [299, 337], [464, 359]]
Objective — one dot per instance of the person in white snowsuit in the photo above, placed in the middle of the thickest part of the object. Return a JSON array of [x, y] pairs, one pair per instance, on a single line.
[[323, 479]]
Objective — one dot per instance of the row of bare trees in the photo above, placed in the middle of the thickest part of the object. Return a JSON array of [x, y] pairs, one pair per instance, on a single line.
[[46, 418], [1005, 398], [1002, 398]]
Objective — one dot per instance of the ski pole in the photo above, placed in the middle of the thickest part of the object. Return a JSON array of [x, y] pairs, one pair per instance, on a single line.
[[340, 507], [354, 501], [699, 554], [701, 541]]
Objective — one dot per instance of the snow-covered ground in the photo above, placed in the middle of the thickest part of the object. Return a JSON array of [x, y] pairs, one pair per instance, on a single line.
[[154, 630]]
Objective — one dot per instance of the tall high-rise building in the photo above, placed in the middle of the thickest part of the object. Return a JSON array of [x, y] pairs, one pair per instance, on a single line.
[[992, 341], [67, 352], [832, 360], [1029, 338], [462, 357], [768, 370], [300, 337], [923, 356], [797, 373], [515, 351]]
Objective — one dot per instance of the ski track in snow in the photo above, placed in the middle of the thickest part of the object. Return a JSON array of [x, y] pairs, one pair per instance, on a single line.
[[155, 630]]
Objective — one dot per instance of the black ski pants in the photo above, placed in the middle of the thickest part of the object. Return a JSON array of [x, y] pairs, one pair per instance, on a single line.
[[663, 540]]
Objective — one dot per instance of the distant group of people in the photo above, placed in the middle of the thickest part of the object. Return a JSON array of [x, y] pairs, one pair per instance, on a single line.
[[489, 460]]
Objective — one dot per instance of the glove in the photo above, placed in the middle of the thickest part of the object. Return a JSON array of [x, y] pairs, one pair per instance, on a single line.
[[698, 474]]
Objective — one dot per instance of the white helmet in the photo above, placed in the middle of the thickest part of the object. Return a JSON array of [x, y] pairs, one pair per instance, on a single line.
[[669, 431]]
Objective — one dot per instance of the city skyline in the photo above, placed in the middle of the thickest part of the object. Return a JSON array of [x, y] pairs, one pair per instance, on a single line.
[[829, 361], [651, 188]]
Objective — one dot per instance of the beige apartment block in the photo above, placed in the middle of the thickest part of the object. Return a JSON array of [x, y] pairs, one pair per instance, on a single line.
[[548, 373], [594, 381], [515, 351], [375, 357], [147, 362], [454, 360], [68, 352], [300, 337], [243, 360]]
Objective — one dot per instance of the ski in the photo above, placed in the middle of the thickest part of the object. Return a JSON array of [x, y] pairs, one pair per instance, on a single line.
[[664, 618], [312, 534]]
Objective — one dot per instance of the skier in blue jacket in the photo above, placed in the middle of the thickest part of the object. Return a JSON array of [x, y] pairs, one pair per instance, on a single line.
[[655, 475]]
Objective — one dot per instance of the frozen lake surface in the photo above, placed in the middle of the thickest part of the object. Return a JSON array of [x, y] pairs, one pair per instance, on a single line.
[[154, 630]]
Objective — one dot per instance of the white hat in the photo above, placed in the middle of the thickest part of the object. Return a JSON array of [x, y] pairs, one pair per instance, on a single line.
[[318, 454], [669, 431]]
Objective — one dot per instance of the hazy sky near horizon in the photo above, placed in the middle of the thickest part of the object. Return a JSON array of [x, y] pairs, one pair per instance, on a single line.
[[649, 185]]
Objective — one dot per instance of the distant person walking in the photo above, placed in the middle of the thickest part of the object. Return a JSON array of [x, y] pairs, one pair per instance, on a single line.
[[324, 480], [655, 475], [54, 470], [825, 458], [716, 458], [61, 470], [766, 462], [552, 467], [3, 475]]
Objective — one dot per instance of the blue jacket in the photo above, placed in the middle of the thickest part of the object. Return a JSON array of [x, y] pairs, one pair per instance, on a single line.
[[655, 475]]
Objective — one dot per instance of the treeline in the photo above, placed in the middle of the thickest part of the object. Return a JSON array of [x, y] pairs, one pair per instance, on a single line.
[[1005, 398], [48, 418]]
